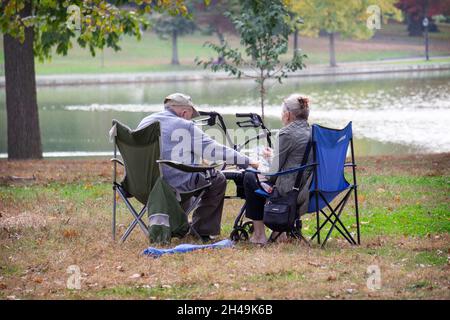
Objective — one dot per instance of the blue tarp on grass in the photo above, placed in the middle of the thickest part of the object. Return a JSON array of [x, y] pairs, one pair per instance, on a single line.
[[185, 247]]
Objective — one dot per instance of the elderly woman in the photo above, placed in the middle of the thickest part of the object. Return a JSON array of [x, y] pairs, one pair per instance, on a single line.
[[288, 153]]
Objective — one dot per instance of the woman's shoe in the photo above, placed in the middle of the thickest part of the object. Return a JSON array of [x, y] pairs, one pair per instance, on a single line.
[[259, 241], [277, 237]]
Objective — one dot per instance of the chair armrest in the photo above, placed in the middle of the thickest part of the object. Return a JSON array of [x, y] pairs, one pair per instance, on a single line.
[[205, 186], [282, 173], [117, 160], [253, 170], [187, 167]]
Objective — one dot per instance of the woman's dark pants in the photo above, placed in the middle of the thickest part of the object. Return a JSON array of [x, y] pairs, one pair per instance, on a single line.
[[254, 203]]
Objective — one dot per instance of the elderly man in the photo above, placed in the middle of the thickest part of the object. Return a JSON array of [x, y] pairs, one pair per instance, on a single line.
[[183, 141]]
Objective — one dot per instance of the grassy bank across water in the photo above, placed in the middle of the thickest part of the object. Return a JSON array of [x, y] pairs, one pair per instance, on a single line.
[[152, 54], [57, 213]]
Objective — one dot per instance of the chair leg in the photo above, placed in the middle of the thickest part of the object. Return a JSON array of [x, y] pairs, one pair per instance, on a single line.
[[114, 213], [340, 206], [133, 224], [337, 219], [300, 237], [358, 233], [194, 232], [317, 226], [195, 203], [273, 238], [297, 233], [328, 219], [192, 208], [135, 214]]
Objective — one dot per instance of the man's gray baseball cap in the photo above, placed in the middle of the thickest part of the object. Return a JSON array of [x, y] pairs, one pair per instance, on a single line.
[[180, 100]]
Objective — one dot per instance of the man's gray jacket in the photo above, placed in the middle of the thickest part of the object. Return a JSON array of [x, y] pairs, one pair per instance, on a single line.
[[183, 141]]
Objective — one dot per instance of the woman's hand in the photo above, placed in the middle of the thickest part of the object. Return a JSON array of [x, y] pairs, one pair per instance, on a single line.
[[268, 188], [267, 153]]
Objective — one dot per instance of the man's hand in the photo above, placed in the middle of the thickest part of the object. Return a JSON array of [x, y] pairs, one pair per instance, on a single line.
[[254, 164]]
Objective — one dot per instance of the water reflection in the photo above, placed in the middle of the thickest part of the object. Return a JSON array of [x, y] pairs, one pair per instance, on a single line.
[[403, 113]]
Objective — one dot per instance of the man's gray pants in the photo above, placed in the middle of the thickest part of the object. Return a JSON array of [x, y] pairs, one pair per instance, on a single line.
[[207, 218]]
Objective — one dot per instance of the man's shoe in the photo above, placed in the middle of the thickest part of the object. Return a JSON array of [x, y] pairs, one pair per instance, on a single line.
[[206, 239]]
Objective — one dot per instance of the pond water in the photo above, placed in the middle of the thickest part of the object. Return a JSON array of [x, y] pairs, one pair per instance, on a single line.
[[391, 114]]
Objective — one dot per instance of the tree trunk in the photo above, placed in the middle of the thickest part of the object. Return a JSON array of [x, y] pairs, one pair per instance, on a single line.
[[262, 92], [295, 41], [24, 137], [220, 59], [175, 60], [332, 50]]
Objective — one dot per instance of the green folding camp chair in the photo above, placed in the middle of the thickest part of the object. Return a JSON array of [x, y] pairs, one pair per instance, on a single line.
[[140, 152]]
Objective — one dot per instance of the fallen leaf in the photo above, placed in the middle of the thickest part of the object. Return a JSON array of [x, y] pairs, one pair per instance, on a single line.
[[38, 280], [70, 233]]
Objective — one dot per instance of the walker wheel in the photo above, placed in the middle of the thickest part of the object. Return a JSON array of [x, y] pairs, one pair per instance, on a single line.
[[239, 234], [248, 227]]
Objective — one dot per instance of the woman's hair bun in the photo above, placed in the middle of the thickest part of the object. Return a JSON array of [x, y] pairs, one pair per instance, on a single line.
[[304, 102]]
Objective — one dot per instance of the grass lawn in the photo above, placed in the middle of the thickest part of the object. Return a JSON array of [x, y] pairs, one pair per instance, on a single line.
[[152, 54], [62, 217]]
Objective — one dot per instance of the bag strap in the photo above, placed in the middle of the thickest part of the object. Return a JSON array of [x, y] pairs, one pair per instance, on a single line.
[[298, 179]]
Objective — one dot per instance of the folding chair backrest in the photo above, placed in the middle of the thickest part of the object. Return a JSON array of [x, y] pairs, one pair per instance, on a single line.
[[331, 150], [139, 150], [330, 147]]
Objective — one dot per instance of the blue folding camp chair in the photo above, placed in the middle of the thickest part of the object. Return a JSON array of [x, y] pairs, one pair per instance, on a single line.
[[330, 148]]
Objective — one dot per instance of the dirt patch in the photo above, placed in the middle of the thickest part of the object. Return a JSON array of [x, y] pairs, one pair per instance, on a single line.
[[70, 171], [22, 220], [47, 171]]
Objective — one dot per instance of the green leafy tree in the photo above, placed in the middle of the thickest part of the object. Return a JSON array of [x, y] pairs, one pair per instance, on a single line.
[[348, 18], [264, 27], [166, 25], [39, 29], [211, 18]]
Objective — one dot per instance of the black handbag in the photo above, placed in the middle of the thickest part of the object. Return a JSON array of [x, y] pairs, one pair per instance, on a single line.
[[280, 212]]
